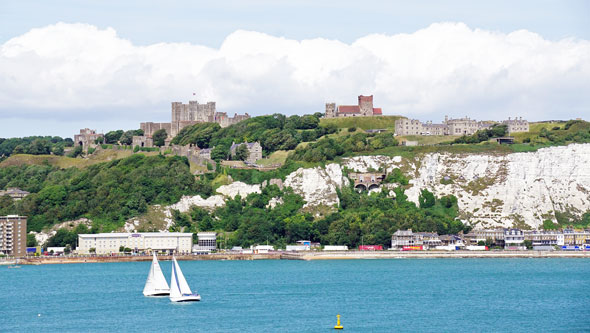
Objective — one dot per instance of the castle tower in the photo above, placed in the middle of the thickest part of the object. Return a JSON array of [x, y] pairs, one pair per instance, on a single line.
[[366, 105], [330, 110], [176, 111]]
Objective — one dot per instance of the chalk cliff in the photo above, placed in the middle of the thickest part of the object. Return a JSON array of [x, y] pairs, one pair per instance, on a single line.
[[492, 189]]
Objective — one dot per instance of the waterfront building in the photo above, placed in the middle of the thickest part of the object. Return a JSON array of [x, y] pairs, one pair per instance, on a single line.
[[14, 192], [105, 243], [430, 239], [576, 237], [407, 238], [514, 239], [207, 241], [544, 237], [13, 235]]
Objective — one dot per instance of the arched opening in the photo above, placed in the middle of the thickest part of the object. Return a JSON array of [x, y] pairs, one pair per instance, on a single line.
[[142, 144], [360, 187], [373, 186], [80, 143]]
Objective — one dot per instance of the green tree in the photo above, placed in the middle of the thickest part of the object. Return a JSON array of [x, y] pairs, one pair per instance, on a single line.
[[113, 137], [549, 225], [426, 199], [160, 137], [127, 137], [31, 240], [241, 153]]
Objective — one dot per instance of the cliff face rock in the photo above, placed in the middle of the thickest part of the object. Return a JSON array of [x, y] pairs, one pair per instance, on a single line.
[[238, 188], [368, 163], [508, 190], [317, 185]]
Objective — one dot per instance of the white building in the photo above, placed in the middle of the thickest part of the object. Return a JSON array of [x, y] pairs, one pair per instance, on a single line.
[[207, 241], [171, 242]]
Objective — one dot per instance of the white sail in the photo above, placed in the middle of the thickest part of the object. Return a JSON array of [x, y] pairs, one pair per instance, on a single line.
[[182, 284], [179, 289], [156, 282]]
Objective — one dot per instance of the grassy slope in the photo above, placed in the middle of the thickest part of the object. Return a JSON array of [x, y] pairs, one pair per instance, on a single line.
[[377, 122], [67, 162]]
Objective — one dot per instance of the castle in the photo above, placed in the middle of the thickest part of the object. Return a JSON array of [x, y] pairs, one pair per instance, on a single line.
[[184, 115], [363, 109], [460, 126]]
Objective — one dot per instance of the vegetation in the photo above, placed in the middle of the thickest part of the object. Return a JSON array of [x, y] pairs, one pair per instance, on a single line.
[[327, 149], [159, 137], [34, 145], [361, 217], [274, 132], [364, 123], [107, 192]]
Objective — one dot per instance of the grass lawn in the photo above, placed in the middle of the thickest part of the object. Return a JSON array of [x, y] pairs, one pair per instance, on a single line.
[[377, 122]]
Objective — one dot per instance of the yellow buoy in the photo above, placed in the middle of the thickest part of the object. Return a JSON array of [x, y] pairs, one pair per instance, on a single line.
[[338, 326]]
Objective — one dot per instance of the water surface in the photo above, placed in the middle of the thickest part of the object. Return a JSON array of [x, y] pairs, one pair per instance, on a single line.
[[465, 295]]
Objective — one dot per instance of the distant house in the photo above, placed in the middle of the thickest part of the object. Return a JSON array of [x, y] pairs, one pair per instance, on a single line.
[[254, 150], [14, 192]]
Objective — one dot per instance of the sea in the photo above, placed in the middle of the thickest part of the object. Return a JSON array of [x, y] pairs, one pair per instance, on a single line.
[[399, 295]]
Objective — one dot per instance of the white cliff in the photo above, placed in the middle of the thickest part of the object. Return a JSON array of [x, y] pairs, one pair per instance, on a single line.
[[317, 185], [238, 188], [504, 190]]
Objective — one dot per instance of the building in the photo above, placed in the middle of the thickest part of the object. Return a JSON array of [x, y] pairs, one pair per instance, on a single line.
[[106, 243], [207, 241], [406, 238], [459, 126], [254, 150], [13, 235], [516, 125], [87, 138], [363, 109], [14, 192], [575, 237], [184, 115], [514, 239]]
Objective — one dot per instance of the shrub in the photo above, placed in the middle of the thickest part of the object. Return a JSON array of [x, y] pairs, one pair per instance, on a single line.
[[352, 129]]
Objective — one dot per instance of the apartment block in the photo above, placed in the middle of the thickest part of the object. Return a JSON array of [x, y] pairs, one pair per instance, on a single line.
[[13, 235]]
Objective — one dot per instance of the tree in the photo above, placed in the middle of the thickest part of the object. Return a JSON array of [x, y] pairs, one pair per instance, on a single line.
[[426, 199], [92, 250], [549, 225], [113, 136], [31, 240], [127, 137], [58, 150], [241, 153], [99, 140], [160, 137]]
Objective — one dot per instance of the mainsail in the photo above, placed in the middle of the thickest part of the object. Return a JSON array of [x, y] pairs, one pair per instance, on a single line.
[[178, 282], [156, 283]]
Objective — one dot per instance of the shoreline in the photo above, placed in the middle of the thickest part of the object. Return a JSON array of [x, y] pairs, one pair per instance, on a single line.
[[306, 256]]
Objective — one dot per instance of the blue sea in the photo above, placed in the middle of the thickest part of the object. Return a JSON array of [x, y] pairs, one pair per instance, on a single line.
[[422, 295]]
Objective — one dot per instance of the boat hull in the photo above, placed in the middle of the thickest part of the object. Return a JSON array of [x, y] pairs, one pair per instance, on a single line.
[[186, 298], [157, 294]]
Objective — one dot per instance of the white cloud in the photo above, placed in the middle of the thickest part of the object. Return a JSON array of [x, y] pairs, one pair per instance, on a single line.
[[446, 68]]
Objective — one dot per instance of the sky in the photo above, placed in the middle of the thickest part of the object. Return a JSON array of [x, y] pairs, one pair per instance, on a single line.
[[66, 65]]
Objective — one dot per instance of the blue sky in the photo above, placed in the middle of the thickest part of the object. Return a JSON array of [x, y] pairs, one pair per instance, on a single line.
[[218, 41]]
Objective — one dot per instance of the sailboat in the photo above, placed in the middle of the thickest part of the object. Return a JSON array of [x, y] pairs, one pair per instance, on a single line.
[[156, 284], [179, 289]]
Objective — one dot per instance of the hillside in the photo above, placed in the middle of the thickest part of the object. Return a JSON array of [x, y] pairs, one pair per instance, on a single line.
[[438, 187], [365, 123]]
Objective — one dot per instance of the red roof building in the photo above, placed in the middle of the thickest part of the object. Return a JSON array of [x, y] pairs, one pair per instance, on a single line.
[[364, 108]]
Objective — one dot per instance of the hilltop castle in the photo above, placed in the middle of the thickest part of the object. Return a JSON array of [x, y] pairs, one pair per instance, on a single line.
[[363, 109], [184, 115]]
